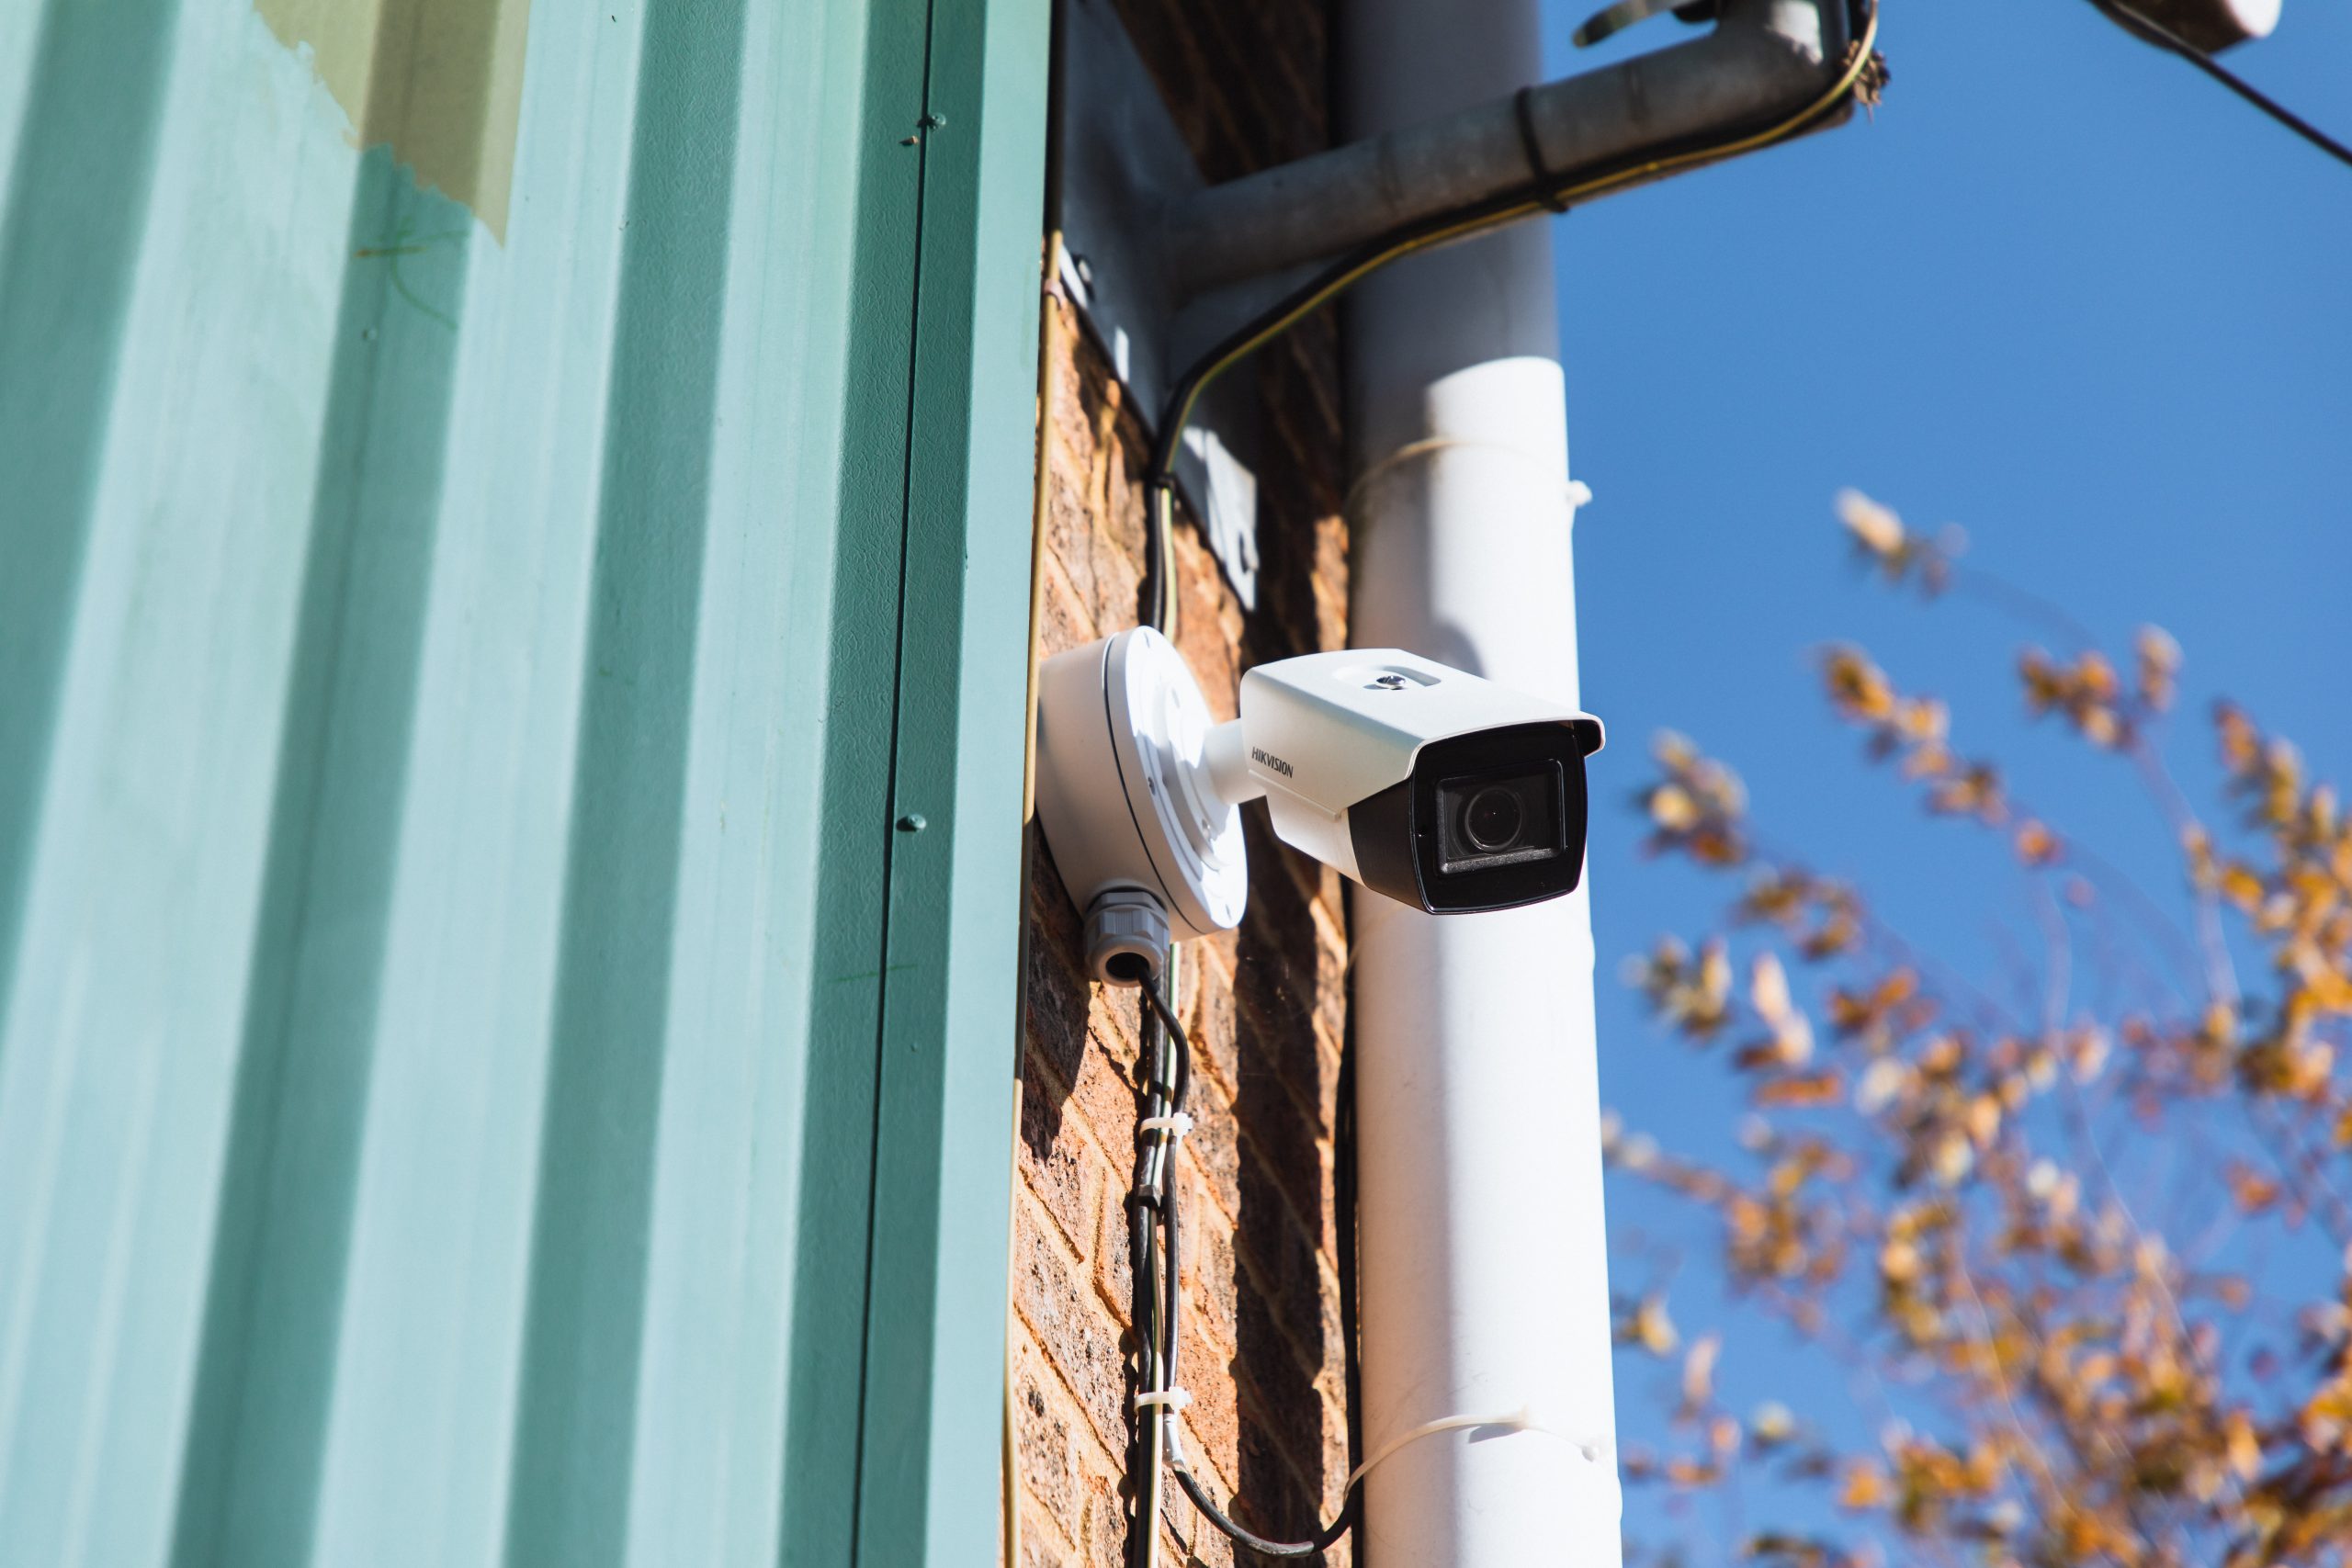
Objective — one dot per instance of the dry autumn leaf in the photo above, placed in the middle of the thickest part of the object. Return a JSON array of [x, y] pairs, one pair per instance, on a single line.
[[1953, 1191]]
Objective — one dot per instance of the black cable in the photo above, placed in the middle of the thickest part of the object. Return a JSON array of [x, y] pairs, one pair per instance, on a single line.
[[1863, 76], [1146, 1214], [2164, 38], [1172, 1244], [1345, 1202], [1169, 1261], [1325, 1539], [1139, 1456]]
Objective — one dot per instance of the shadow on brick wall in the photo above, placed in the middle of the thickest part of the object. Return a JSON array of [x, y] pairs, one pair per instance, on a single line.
[[1286, 1330]]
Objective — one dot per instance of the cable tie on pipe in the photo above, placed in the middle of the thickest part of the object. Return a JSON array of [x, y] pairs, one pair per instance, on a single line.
[[1522, 1419], [1175, 1399], [1175, 1126], [1577, 491], [1524, 104]]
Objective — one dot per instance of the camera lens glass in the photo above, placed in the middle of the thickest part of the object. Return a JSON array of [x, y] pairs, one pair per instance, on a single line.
[[1493, 819], [1505, 816]]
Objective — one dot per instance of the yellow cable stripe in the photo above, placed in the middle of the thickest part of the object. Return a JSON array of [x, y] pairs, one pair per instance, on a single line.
[[1845, 83]]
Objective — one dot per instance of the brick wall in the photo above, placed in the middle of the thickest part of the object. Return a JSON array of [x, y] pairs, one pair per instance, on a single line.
[[1264, 1353]]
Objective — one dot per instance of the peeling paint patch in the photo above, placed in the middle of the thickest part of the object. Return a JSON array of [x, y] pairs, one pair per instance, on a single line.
[[440, 81]]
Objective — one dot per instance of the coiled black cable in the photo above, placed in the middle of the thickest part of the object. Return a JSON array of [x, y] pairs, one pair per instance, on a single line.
[[1167, 1259], [1151, 1215]]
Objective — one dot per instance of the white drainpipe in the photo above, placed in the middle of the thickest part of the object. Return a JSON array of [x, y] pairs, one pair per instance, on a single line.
[[1483, 1284]]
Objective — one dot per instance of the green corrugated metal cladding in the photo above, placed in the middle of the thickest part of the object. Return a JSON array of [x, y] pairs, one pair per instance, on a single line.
[[502, 506]]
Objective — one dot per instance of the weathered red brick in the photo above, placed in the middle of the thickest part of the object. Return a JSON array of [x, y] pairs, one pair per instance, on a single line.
[[1114, 1269], [1106, 1523], [1212, 1022], [1263, 1351], [1080, 1341], [1050, 1435], [1061, 1168], [1213, 1421], [1041, 1546], [1211, 1275], [1213, 1150], [1284, 1333]]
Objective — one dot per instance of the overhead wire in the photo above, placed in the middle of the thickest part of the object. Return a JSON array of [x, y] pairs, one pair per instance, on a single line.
[[1154, 1244], [2149, 30]]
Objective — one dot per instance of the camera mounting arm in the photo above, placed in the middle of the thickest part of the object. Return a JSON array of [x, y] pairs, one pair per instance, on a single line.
[[1226, 755]]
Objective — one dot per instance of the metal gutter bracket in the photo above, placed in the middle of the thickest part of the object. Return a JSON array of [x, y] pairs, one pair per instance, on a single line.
[[1162, 265], [1123, 161], [1764, 59]]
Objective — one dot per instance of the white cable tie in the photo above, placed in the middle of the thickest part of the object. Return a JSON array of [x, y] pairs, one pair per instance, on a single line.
[[1175, 1399], [1576, 491], [1520, 1420], [1175, 1125]]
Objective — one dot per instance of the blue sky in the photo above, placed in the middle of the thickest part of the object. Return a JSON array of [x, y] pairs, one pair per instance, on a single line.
[[2064, 292]]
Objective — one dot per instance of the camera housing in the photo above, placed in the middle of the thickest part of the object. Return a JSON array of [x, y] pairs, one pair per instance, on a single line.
[[1428, 783], [1422, 782]]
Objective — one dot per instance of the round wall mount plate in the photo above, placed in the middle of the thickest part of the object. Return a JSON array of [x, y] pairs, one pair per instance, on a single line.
[[1122, 789]]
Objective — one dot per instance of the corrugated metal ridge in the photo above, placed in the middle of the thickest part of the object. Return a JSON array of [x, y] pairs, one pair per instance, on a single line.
[[429, 1047]]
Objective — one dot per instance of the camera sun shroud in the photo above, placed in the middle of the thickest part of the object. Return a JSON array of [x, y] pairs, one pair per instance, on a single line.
[[1433, 785]]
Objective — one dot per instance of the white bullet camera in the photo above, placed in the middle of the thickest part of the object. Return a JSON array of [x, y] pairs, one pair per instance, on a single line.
[[1427, 784]]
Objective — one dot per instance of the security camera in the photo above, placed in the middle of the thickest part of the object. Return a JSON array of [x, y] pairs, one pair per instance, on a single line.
[[1440, 789], [1424, 782]]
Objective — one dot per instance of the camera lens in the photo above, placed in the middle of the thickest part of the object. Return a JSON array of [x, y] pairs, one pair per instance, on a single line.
[[1493, 819], [1498, 818]]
